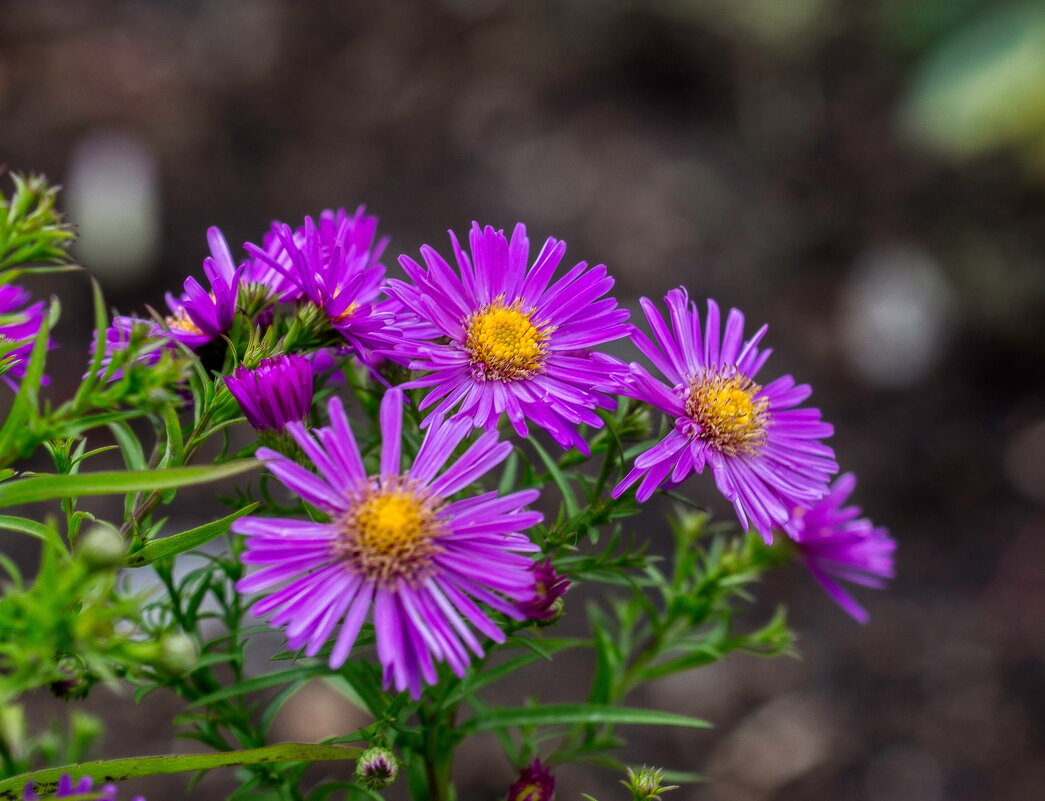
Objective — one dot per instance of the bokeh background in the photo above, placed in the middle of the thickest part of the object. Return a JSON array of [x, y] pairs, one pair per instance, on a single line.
[[867, 177]]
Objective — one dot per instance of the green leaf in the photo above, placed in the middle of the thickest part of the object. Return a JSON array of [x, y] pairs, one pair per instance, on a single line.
[[30, 527], [558, 714], [52, 487], [261, 683], [490, 675], [187, 540], [568, 498], [117, 770]]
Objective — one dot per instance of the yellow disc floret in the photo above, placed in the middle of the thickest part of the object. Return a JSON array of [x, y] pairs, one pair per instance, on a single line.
[[729, 415], [180, 321], [504, 343], [389, 535]]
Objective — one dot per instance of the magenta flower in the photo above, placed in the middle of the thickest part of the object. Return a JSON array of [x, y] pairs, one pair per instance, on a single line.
[[394, 543], [334, 264], [201, 315], [834, 541], [507, 340], [535, 783], [276, 392], [85, 787], [18, 323], [118, 338], [765, 454]]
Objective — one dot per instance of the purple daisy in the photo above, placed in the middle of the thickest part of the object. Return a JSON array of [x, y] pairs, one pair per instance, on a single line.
[[335, 265], [507, 340], [18, 323], [200, 315], [394, 543], [85, 787], [276, 392], [764, 452], [834, 541]]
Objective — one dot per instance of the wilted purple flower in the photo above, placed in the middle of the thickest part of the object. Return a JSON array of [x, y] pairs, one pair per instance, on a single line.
[[18, 323], [394, 543], [836, 543], [548, 587], [535, 783], [506, 340], [334, 264], [765, 454], [201, 315], [68, 789], [276, 392]]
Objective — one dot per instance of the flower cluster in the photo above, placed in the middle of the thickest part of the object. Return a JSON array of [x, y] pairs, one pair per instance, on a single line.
[[490, 335]]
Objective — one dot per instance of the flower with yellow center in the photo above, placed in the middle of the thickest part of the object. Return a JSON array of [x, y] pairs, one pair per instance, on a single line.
[[504, 343], [180, 321], [730, 417], [390, 535]]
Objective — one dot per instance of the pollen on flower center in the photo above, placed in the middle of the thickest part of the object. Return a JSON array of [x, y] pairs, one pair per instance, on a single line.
[[389, 535], [729, 416], [181, 321], [504, 343]]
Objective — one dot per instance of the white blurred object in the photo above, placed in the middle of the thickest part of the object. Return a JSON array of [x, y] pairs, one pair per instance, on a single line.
[[894, 315], [113, 195]]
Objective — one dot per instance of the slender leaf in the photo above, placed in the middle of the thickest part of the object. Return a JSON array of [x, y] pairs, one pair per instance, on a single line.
[[187, 540], [117, 770], [558, 714], [52, 487]]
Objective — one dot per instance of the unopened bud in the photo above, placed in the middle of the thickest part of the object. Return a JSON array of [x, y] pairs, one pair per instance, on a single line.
[[102, 548], [178, 654], [646, 784], [377, 768]]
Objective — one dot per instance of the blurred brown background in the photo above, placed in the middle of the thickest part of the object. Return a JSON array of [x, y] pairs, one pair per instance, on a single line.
[[868, 177]]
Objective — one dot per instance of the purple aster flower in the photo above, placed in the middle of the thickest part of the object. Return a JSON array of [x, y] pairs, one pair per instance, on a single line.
[[334, 264], [548, 587], [834, 541], [118, 337], [507, 339], [200, 315], [764, 452], [18, 323], [276, 392], [394, 543], [85, 787], [535, 783]]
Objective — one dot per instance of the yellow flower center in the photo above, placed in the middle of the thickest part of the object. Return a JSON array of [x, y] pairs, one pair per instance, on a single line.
[[181, 321], [389, 535], [504, 342], [730, 417]]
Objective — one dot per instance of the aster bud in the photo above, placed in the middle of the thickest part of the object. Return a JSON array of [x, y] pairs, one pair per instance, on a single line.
[[646, 784], [535, 783], [377, 768], [547, 604], [178, 654], [102, 548]]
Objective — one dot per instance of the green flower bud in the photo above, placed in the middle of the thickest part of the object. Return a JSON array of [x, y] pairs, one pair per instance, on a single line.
[[178, 654], [102, 548], [377, 768], [646, 783]]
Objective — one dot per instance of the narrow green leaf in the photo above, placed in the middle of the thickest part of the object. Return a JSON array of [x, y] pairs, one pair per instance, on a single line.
[[187, 540], [30, 527], [130, 446], [559, 714], [261, 683], [52, 487], [490, 675], [568, 498], [117, 770]]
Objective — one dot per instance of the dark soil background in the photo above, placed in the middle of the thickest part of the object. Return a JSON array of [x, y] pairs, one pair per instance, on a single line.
[[868, 178]]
